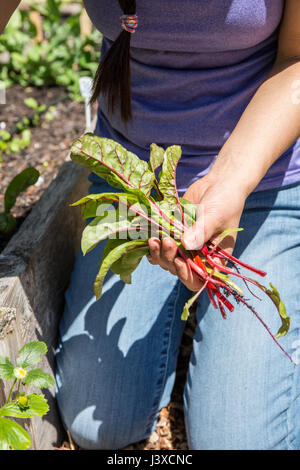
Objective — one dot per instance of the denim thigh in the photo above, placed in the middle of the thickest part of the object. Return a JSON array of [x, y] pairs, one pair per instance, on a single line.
[[242, 392], [116, 357]]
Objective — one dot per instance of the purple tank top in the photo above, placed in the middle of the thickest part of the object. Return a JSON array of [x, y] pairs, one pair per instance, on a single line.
[[195, 65]]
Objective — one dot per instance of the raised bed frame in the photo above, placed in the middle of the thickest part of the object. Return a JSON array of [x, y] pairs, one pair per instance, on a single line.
[[35, 269]]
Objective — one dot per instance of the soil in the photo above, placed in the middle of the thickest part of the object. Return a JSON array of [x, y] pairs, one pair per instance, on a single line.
[[49, 148], [50, 143]]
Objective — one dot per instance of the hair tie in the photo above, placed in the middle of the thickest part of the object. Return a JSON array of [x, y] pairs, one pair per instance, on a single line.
[[129, 23]]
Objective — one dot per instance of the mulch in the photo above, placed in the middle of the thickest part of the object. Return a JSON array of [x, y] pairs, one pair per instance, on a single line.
[[47, 152]]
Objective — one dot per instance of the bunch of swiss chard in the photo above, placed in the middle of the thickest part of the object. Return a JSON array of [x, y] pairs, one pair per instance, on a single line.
[[146, 205]]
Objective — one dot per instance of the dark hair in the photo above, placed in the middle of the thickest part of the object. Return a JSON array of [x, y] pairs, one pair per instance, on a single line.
[[112, 77]]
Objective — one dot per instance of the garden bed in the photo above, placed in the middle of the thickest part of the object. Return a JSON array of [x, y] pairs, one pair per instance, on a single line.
[[50, 142]]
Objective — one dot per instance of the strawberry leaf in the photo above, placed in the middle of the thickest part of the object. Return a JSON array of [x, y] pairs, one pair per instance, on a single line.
[[36, 406], [31, 353], [13, 436], [39, 378], [6, 368]]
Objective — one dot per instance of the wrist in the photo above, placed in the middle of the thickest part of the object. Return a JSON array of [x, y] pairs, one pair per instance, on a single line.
[[235, 171]]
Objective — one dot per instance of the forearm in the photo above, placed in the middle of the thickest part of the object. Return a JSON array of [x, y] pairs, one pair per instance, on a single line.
[[6, 10], [269, 125]]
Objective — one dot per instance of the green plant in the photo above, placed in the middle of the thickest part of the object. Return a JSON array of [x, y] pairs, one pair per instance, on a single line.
[[19, 404], [50, 114], [13, 144], [60, 59], [38, 109], [19, 183], [150, 206], [9, 144]]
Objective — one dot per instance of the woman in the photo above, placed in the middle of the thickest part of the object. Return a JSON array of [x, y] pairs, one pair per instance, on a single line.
[[211, 77], [221, 79]]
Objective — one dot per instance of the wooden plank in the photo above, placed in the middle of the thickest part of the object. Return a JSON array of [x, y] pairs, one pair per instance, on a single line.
[[35, 269]]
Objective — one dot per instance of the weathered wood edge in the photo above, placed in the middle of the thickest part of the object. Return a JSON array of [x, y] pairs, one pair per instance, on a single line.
[[34, 271]]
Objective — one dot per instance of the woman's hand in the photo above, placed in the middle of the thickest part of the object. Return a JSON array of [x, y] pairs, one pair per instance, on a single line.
[[220, 205]]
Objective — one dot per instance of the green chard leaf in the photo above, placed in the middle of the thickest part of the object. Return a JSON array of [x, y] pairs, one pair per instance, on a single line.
[[6, 368], [111, 223], [190, 211], [13, 436], [225, 234], [286, 321], [186, 309], [127, 264], [108, 159], [167, 177], [96, 204], [111, 257], [156, 156], [31, 353]]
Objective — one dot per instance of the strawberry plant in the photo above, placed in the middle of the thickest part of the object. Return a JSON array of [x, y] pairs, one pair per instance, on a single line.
[[19, 404], [149, 206]]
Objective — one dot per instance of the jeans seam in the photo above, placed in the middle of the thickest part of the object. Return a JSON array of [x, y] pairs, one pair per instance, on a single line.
[[162, 377]]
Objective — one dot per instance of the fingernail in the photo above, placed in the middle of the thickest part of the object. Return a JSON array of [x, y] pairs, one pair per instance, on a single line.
[[190, 240], [179, 261], [153, 240]]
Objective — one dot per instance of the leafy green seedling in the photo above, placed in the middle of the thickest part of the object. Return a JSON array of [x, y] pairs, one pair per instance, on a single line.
[[18, 403], [9, 144], [19, 183], [50, 114], [38, 109]]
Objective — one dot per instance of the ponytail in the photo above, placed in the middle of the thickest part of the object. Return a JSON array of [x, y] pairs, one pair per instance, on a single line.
[[112, 77]]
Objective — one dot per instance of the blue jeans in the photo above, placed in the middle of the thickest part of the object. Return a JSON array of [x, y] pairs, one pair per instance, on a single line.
[[116, 357]]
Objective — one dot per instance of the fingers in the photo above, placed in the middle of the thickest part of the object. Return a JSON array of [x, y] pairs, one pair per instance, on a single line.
[[186, 275], [154, 251], [164, 253]]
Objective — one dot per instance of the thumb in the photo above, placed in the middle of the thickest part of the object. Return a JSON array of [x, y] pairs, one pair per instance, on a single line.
[[203, 230]]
